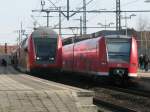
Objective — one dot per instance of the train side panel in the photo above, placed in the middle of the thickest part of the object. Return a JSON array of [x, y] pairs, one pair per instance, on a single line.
[[82, 57], [68, 57], [93, 56], [90, 57]]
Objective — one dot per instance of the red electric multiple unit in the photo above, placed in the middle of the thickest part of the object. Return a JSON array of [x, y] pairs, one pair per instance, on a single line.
[[111, 55], [41, 51]]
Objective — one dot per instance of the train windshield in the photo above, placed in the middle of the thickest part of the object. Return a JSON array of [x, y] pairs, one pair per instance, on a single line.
[[118, 49], [45, 48]]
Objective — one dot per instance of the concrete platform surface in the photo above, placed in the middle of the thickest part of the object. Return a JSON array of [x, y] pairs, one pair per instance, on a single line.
[[24, 93], [144, 74]]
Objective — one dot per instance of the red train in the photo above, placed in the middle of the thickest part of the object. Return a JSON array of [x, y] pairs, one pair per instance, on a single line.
[[41, 51], [111, 55]]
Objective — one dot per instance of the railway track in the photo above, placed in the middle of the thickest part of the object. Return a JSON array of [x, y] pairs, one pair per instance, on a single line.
[[120, 99], [130, 90], [107, 106]]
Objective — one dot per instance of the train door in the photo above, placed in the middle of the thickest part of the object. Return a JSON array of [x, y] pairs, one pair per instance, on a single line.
[[103, 65]]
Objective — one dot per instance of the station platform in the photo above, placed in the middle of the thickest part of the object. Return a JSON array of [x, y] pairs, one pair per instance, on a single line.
[[144, 74], [24, 93]]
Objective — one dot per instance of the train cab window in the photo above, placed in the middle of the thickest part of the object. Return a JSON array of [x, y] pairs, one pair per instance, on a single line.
[[45, 47], [118, 49]]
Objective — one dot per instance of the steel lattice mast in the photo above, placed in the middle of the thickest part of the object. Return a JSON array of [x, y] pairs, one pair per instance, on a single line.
[[84, 17], [118, 16]]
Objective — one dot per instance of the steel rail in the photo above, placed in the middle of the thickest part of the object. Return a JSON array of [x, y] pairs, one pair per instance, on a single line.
[[99, 102], [134, 91]]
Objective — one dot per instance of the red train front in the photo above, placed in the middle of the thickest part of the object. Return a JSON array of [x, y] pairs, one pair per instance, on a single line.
[[113, 55], [41, 51]]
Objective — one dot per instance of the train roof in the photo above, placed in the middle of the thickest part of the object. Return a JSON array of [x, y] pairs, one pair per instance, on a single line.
[[113, 32], [44, 32], [117, 36], [104, 33]]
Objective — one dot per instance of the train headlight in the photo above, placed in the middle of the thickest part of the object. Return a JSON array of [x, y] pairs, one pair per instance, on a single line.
[[51, 59], [37, 58]]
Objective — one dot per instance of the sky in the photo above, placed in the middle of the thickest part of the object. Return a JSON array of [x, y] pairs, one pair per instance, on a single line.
[[15, 12]]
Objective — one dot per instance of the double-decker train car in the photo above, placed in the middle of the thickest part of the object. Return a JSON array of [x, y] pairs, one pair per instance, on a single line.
[[41, 51], [112, 55]]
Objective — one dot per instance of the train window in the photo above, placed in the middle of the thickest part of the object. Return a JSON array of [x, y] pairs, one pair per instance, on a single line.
[[118, 49], [67, 41]]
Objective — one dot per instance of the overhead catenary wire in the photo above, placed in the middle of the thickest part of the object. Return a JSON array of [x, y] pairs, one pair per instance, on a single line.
[[57, 1], [76, 11], [123, 5], [81, 8], [33, 17], [131, 2]]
